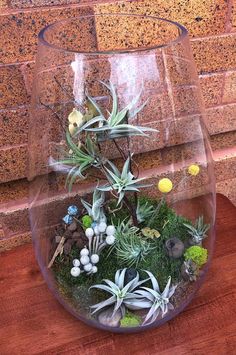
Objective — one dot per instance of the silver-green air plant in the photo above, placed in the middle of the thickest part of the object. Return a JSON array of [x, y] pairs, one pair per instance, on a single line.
[[122, 182], [78, 159], [95, 210], [197, 231], [130, 246], [144, 211], [122, 295], [115, 125], [158, 302]]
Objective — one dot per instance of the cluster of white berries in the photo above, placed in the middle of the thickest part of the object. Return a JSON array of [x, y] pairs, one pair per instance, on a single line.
[[86, 263], [99, 237]]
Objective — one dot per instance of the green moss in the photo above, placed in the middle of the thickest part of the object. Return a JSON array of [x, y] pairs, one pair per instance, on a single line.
[[197, 254], [157, 261], [86, 221], [130, 320]]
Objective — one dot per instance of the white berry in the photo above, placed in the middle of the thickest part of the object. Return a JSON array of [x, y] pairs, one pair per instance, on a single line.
[[102, 227], [84, 260], [89, 232], [94, 269], [110, 230], [84, 251], [88, 267], [110, 239], [76, 262], [94, 258], [96, 230], [75, 271]]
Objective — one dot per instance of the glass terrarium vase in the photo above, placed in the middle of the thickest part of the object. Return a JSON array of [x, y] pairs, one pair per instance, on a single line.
[[122, 192]]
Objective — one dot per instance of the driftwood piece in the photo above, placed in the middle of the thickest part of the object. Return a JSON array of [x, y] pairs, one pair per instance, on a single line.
[[59, 250]]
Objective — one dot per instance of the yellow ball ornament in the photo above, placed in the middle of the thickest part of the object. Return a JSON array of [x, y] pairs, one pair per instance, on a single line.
[[165, 185], [193, 169]]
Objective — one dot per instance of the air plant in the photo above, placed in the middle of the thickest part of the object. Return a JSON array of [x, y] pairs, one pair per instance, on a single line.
[[122, 295], [95, 210], [78, 159], [197, 231], [158, 302], [130, 246], [144, 211], [115, 126], [122, 182]]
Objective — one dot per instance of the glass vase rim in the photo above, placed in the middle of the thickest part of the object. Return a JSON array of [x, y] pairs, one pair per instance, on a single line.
[[183, 32]]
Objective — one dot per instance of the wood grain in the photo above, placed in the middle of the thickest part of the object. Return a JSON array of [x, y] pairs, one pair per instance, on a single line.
[[33, 322]]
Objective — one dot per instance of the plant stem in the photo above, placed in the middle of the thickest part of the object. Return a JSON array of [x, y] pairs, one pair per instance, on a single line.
[[119, 149], [132, 211]]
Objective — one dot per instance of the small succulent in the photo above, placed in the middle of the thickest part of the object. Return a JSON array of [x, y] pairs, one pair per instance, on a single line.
[[144, 211], [122, 182], [131, 248], [121, 295], [158, 302], [115, 125], [95, 210], [197, 231], [189, 271], [197, 254]]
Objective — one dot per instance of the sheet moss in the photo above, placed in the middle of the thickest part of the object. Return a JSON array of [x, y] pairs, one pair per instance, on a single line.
[[157, 261]]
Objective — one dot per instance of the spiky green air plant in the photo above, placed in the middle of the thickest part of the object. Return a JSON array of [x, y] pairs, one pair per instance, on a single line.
[[122, 182], [197, 231], [158, 302], [116, 126], [95, 210], [78, 159], [144, 211], [121, 295], [132, 249]]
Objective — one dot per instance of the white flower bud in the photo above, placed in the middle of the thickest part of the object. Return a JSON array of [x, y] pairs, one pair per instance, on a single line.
[[110, 230], [84, 251], [84, 260], [75, 271], [88, 267], [94, 258], [76, 262], [110, 239], [89, 232], [102, 227], [94, 269]]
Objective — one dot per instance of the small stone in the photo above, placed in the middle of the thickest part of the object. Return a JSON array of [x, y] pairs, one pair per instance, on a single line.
[[88, 267], [84, 260], [76, 262], [67, 219], [174, 247], [105, 318], [102, 227], [57, 239], [72, 227], [80, 244], [67, 234], [130, 274], [67, 248], [84, 251], [76, 235], [94, 269], [110, 239], [94, 258]]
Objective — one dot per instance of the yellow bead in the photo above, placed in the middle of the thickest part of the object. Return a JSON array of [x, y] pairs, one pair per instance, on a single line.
[[165, 185], [193, 169]]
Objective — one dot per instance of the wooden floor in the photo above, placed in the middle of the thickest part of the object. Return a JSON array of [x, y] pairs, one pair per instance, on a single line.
[[33, 322]]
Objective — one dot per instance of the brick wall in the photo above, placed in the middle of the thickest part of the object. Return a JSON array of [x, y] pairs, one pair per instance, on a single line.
[[212, 27]]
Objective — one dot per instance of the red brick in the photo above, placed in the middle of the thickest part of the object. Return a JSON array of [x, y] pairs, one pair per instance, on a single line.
[[14, 127], [20, 29], [229, 93], [13, 162], [13, 191], [201, 18], [211, 86], [215, 53], [12, 87], [221, 119]]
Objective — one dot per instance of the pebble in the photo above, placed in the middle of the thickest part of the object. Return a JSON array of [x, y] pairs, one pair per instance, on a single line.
[[174, 247], [110, 230], [76, 235], [72, 227], [67, 248], [105, 318], [57, 238]]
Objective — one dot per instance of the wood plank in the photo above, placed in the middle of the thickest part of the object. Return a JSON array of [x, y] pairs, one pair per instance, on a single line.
[[33, 322]]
